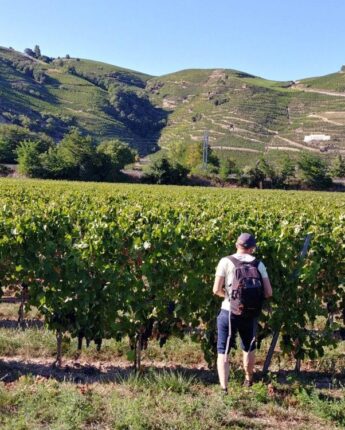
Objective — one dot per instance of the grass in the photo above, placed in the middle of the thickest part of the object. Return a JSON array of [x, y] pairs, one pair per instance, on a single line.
[[164, 401], [324, 405], [10, 311], [174, 390], [41, 343], [35, 343], [331, 82]]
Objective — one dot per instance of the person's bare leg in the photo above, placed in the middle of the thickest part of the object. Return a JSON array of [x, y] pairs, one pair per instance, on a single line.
[[223, 370], [248, 364]]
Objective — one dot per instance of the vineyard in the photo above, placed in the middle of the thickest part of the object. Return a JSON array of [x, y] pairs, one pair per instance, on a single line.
[[138, 262]]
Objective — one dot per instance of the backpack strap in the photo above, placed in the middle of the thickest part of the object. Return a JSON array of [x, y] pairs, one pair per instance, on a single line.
[[234, 261], [255, 263], [238, 263]]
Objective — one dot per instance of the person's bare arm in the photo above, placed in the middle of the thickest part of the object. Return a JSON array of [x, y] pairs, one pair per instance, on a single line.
[[218, 286], [267, 288]]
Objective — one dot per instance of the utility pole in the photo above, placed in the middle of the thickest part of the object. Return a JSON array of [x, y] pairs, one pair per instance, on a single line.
[[231, 128], [205, 150]]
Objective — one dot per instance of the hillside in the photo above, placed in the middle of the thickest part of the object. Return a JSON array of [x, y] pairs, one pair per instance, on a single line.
[[53, 97], [245, 115], [249, 115]]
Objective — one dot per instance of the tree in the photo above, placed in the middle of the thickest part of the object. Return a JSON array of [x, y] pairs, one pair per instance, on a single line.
[[163, 172], [115, 155], [252, 176], [313, 171], [73, 158], [270, 173], [29, 52], [53, 165], [227, 167], [136, 111], [255, 176], [212, 159], [266, 168], [337, 168], [288, 169], [10, 138], [194, 156], [37, 51], [6, 150], [29, 158], [77, 157], [177, 152]]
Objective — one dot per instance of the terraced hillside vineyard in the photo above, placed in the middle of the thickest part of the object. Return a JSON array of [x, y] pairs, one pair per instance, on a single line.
[[246, 116], [105, 261]]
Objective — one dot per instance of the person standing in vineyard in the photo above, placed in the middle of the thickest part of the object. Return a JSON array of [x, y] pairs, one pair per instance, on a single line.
[[243, 282]]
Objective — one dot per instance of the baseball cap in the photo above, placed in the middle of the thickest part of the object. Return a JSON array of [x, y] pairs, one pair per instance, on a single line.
[[246, 240]]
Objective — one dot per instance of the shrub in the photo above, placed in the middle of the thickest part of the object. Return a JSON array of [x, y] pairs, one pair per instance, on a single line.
[[163, 172], [10, 138], [29, 158], [115, 155], [313, 172], [227, 167], [337, 168]]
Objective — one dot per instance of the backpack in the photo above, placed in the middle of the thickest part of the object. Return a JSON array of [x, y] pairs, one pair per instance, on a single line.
[[247, 287]]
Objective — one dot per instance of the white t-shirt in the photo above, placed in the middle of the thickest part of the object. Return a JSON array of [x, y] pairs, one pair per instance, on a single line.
[[226, 268]]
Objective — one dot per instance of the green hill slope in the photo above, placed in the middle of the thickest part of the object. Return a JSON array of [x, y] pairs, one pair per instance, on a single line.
[[244, 115], [247, 116], [66, 93]]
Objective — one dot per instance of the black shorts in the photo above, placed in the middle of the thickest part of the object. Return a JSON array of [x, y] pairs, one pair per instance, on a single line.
[[246, 327]]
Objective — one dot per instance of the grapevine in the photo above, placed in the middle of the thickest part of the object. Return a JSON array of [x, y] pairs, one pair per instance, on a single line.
[[109, 261]]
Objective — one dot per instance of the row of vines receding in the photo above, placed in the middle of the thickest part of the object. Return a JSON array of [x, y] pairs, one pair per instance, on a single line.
[[113, 261]]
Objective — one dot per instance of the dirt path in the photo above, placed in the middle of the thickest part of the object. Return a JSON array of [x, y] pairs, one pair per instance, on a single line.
[[312, 115], [301, 87], [327, 93], [307, 148], [83, 371], [284, 148], [245, 137], [118, 370], [296, 144], [235, 148], [251, 122]]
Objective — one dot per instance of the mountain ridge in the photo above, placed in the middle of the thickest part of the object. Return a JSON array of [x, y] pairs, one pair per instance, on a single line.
[[239, 110]]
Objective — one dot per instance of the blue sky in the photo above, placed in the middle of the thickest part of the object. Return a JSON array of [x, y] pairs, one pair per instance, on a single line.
[[274, 39]]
